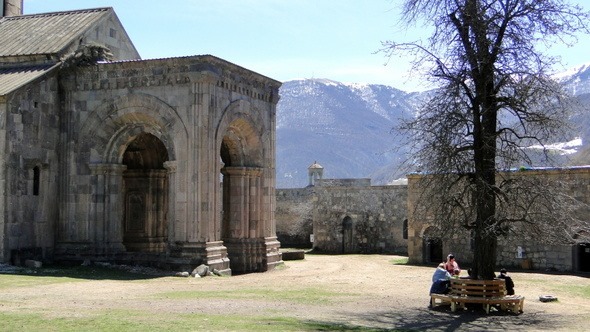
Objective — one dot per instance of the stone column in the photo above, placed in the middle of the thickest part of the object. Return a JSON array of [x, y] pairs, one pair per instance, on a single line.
[[255, 203], [242, 202], [242, 234], [171, 167], [106, 206]]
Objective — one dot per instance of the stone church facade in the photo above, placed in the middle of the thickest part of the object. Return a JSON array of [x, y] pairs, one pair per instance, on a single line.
[[165, 162]]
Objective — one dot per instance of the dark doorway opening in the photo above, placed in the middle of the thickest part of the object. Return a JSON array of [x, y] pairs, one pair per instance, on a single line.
[[146, 195], [434, 252], [583, 253], [347, 236]]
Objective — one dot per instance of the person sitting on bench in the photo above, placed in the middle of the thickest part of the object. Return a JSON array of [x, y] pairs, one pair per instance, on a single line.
[[440, 280], [509, 283]]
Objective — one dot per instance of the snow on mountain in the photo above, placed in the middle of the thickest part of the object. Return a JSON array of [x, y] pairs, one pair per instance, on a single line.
[[563, 148], [576, 79], [348, 128]]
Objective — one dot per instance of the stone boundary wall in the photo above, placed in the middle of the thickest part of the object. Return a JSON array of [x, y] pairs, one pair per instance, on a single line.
[[293, 216], [345, 216], [343, 183], [512, 253]]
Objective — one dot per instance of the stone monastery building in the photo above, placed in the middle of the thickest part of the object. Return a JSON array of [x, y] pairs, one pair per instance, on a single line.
[[121, 160], [171, 163], [345, 216]]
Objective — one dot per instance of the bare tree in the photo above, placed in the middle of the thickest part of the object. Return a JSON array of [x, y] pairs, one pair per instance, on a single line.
[[496, 98]]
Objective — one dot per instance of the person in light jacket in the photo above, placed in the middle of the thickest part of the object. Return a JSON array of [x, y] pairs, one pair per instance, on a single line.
[[440, 280]]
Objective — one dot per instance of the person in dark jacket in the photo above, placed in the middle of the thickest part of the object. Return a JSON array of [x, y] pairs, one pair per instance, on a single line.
[[509, 283]]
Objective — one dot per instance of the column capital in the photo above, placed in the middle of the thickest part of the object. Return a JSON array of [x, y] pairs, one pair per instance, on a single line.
[[97, 169], [171, 166], [243, 171]]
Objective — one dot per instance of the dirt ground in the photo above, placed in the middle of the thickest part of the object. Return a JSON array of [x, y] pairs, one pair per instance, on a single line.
[[375, 293]]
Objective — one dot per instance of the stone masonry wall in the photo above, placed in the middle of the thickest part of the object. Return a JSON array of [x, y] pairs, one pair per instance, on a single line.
[[348, 217], [30, 131], [366, 219], [294, 215], [512, 253]]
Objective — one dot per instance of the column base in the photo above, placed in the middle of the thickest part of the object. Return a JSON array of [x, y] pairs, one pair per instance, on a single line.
[[253, 254], [274, 257], [216, 254], [212, 254]]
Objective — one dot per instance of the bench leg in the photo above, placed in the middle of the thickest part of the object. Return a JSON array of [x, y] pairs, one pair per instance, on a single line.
[[515, 307], [453, 306]]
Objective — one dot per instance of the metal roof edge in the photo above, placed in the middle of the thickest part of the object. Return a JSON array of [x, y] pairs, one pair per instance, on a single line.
[[24, 83], [63, 12]]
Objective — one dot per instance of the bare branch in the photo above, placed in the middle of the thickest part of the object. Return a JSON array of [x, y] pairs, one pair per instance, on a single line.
[[496, 100]]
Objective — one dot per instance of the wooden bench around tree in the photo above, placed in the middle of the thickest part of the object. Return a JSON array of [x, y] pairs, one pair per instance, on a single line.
[[485, 292]]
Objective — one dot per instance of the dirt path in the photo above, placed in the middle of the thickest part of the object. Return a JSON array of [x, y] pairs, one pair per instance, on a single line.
[[355, 289]]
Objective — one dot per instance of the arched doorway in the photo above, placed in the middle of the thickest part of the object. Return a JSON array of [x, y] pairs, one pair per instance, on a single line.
[[583, 256], [347, 244], [146, 195], [433, 250]]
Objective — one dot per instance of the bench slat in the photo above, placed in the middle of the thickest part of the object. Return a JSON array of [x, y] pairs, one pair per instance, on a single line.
[[485, 292]]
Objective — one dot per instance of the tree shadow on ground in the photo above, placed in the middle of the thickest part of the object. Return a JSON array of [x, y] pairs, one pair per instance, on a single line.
[[442, 319], [87, 272]]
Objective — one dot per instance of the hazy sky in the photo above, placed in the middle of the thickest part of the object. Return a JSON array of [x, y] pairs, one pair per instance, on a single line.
[[282, 39]]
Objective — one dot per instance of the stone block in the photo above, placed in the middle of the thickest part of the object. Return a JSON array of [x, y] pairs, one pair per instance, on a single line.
[[33, 264], [293, 255]]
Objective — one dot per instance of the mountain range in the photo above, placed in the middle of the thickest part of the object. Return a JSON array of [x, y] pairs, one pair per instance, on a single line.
[[349, 129]]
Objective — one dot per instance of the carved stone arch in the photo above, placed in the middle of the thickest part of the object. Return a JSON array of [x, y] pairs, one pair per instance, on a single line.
[[117, 146], [123, 140], [424, 229], [112, 121], [240, 136]]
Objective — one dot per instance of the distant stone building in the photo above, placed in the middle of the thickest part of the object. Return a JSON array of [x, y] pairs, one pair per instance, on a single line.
[[344, 216], [121, 160], [315, 173], [351, 216], [424, 248]]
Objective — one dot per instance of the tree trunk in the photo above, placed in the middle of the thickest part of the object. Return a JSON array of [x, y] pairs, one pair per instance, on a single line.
[[485, 168], [485, 256]]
